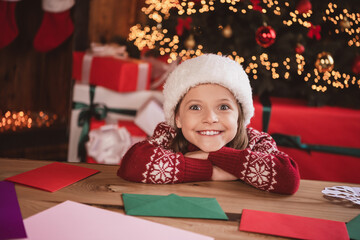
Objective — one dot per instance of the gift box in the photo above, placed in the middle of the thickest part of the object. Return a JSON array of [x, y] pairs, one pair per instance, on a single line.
[[149, 116], [94, 105], [160, 70], [324, 141], [112, 72]]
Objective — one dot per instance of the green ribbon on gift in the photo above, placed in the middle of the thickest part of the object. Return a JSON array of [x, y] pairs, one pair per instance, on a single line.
[[99, 112], [295, 141], [266, 118]]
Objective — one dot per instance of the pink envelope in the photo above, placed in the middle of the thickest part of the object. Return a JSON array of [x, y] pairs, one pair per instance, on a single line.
[[292, 226], [72, 220], [52, 177]]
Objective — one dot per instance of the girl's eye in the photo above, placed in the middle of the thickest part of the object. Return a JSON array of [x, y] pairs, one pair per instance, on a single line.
[[194, 107], [224, 107]]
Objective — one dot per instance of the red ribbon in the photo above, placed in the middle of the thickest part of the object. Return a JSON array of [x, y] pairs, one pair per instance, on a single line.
[[183, 23], [256, 5], [314, 31]]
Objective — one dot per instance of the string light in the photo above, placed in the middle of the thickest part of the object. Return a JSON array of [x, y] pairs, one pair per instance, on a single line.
[[159, 10], [299, 18], [13, 121], [348, 23]]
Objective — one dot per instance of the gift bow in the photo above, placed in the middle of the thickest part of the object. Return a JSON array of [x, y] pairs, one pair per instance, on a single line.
[[256, 6], [183, 23], [112, 49], [108, 144], [99, 111], [314, 31]]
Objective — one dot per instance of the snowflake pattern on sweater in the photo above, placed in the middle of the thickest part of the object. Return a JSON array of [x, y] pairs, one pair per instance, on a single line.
[[162, 167], [260, 164], [259, 169]]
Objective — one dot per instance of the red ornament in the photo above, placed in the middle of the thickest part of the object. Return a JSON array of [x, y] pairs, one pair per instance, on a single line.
[[356, 65], [299, 48], [303, 6], [265, 36]]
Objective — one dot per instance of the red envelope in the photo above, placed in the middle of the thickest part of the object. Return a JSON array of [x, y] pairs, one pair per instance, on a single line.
[[52, 177], [292, 226]]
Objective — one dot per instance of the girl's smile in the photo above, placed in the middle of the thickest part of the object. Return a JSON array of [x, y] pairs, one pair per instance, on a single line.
[[208, 116], [209, 132]]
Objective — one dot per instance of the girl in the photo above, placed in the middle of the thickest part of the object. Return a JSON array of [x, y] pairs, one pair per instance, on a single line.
[[208, 105]]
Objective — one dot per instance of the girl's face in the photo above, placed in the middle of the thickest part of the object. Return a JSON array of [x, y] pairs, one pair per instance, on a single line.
[[208, 116]]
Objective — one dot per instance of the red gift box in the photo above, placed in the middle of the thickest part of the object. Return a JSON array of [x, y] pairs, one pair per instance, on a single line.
[[160, 68], [122, 75], [136, 133], [326, 126]]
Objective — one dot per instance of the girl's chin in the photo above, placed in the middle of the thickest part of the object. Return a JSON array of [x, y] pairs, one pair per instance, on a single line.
[[209, 149]]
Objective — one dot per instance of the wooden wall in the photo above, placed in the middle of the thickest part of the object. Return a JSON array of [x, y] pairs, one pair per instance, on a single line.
[[111, 18], [30, 80]]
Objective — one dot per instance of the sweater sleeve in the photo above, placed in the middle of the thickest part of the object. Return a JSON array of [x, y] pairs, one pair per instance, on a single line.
[[151, 161], [261, 164]]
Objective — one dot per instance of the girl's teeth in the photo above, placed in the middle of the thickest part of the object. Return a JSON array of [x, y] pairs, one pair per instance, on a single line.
[[209, 133]]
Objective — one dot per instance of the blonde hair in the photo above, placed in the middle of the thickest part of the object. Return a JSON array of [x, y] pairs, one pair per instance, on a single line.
[[240, 141]]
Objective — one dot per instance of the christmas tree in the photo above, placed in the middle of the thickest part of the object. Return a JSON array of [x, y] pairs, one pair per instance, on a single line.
[[296, 49]]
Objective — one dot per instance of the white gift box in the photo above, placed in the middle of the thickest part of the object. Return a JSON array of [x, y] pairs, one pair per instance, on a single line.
[[131, 101], [149, 116]]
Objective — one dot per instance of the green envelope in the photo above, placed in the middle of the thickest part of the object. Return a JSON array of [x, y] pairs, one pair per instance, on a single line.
[[353, 228], [172, 206]]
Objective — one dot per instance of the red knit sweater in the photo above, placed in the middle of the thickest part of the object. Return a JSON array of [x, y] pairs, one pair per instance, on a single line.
[[260, 164]]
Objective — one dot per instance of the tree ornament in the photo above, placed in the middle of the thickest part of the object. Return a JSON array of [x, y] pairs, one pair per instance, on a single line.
[[227, 31], [324, 62], [183, 24], [356, 65], [314, 31], [299, 48], [265, 36], [190, 42], [344, 24], [303, 6], [256, 6]]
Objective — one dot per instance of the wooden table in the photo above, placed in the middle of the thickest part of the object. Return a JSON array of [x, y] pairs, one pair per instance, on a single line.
[[105, 188]]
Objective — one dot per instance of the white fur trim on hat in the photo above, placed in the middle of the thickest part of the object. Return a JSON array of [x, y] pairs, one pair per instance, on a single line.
[[56, 6], [208, 68]]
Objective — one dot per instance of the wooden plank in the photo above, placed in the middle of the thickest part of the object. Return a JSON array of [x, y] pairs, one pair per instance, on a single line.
[[112, 18]]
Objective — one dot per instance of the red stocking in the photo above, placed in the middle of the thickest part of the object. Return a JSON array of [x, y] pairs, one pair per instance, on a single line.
[[55, 28], [9, 30]]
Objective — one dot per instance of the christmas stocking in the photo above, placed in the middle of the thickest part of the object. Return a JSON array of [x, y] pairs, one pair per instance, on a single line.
[[8, 27], [56, 25]]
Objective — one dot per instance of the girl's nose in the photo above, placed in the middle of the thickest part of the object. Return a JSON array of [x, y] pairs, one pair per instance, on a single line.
[[210, 117]]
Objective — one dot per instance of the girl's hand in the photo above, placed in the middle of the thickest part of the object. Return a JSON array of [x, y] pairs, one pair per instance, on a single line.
[[218, 173], [197, 154], [221, 175]]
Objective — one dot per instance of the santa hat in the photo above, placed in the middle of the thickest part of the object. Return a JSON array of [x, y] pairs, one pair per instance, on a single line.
[[208, 68]]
